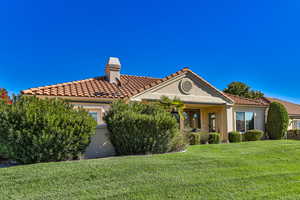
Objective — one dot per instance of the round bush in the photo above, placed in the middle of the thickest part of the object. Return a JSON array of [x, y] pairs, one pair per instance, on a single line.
[[253, 135], [179, 142], [137, 128], [194, 138], [214, 138], [277, 122], [234, 136], [36, 130]]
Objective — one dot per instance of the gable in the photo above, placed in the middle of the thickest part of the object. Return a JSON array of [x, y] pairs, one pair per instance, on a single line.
[[199, 91]]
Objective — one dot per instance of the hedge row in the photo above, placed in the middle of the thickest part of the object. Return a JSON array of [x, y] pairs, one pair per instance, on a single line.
[[203, 138]]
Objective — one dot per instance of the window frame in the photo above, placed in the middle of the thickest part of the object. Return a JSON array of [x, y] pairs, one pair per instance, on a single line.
[[190, 113], [98, 115], [297, 124], [245, 121]]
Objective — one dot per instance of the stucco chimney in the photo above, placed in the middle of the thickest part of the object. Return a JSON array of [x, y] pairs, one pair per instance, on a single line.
[[112, 69]]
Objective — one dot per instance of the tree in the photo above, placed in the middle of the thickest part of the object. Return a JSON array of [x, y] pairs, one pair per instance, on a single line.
[[242, 90], [4, 96], [172, 105], [277, 122]]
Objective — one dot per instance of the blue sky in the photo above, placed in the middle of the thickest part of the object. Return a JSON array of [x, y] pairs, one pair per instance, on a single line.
[[256, 42]]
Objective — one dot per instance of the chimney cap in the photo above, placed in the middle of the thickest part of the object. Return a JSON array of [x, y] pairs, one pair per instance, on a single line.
[[114, 61]]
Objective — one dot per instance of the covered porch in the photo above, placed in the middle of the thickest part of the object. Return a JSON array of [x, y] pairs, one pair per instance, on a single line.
[[208, 118]]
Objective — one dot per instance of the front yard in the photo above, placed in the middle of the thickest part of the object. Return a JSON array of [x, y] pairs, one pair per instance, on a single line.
[[251, 170]]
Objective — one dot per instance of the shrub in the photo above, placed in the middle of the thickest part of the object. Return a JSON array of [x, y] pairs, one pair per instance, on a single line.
[[234, 136], [137, 128], [293, 134], [179, 142], [3, 151], [214, 138], [204, 137], [253, 135], [37, 130], [277, 122], [194, 138]]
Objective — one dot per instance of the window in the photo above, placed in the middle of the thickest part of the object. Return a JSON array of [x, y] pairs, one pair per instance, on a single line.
[[297, 124], [94, 115], [212, 122], [192, 119], [244, 121]]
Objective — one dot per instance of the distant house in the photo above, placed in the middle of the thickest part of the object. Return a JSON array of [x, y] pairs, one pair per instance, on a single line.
[[206, 107]]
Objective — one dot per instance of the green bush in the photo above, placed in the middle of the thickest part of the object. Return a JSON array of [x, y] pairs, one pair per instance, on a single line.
[[277, 122], [204, 137], [194, 138], [37, 130], [137, 128], [214, 138], [3, 151], [253, 135], [179, 142], [234, 136], [293, 134]]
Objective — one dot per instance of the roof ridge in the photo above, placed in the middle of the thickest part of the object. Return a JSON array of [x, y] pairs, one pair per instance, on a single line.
[[140, 76], [257, 100]]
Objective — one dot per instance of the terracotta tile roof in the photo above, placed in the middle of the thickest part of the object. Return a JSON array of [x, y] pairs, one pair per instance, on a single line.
[[246, 101], [99, 87], [95, 87], [292, 108]]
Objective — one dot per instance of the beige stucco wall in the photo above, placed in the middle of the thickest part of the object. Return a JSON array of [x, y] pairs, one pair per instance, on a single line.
[[200, 92], [259, 119], [101, 109], [100, 145]]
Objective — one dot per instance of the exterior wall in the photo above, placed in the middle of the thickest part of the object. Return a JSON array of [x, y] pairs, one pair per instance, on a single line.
[[200, 92], [94, 107], [259, 115], [100, 145]]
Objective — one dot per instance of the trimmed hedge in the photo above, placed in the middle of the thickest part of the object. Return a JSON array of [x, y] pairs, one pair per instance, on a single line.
[[253, 135], [234, 136], [214, 138], [194, 138], [36, 130], [179, 142], [137, 128], [198, 137], [277, 122]]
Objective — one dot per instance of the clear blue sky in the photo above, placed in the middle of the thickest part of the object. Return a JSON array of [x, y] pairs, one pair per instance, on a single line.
[[257, 42]]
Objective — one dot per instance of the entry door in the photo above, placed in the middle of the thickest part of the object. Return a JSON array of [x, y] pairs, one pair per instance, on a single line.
[[212, 121]]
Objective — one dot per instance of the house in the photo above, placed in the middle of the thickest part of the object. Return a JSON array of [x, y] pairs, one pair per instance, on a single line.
[[206, 107]]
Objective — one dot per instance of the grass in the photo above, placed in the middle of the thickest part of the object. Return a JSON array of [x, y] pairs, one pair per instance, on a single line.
[[253, 170]]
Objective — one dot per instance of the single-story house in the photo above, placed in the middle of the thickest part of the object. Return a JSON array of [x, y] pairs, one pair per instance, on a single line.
[[206, 107]]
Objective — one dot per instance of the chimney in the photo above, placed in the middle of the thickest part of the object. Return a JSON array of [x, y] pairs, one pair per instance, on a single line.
[[112, 70]]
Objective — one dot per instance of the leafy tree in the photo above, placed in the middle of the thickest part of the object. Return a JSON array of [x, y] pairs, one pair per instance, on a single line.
[[41, 130], [242, 90], [172, 105], [277, 122], [4, 98]]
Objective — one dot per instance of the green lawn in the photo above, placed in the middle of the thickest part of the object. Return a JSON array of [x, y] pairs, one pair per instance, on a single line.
[[253, 170]]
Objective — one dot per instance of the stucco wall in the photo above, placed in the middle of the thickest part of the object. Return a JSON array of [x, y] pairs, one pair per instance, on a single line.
[[259, 112], [200, 92], [100, 145]]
